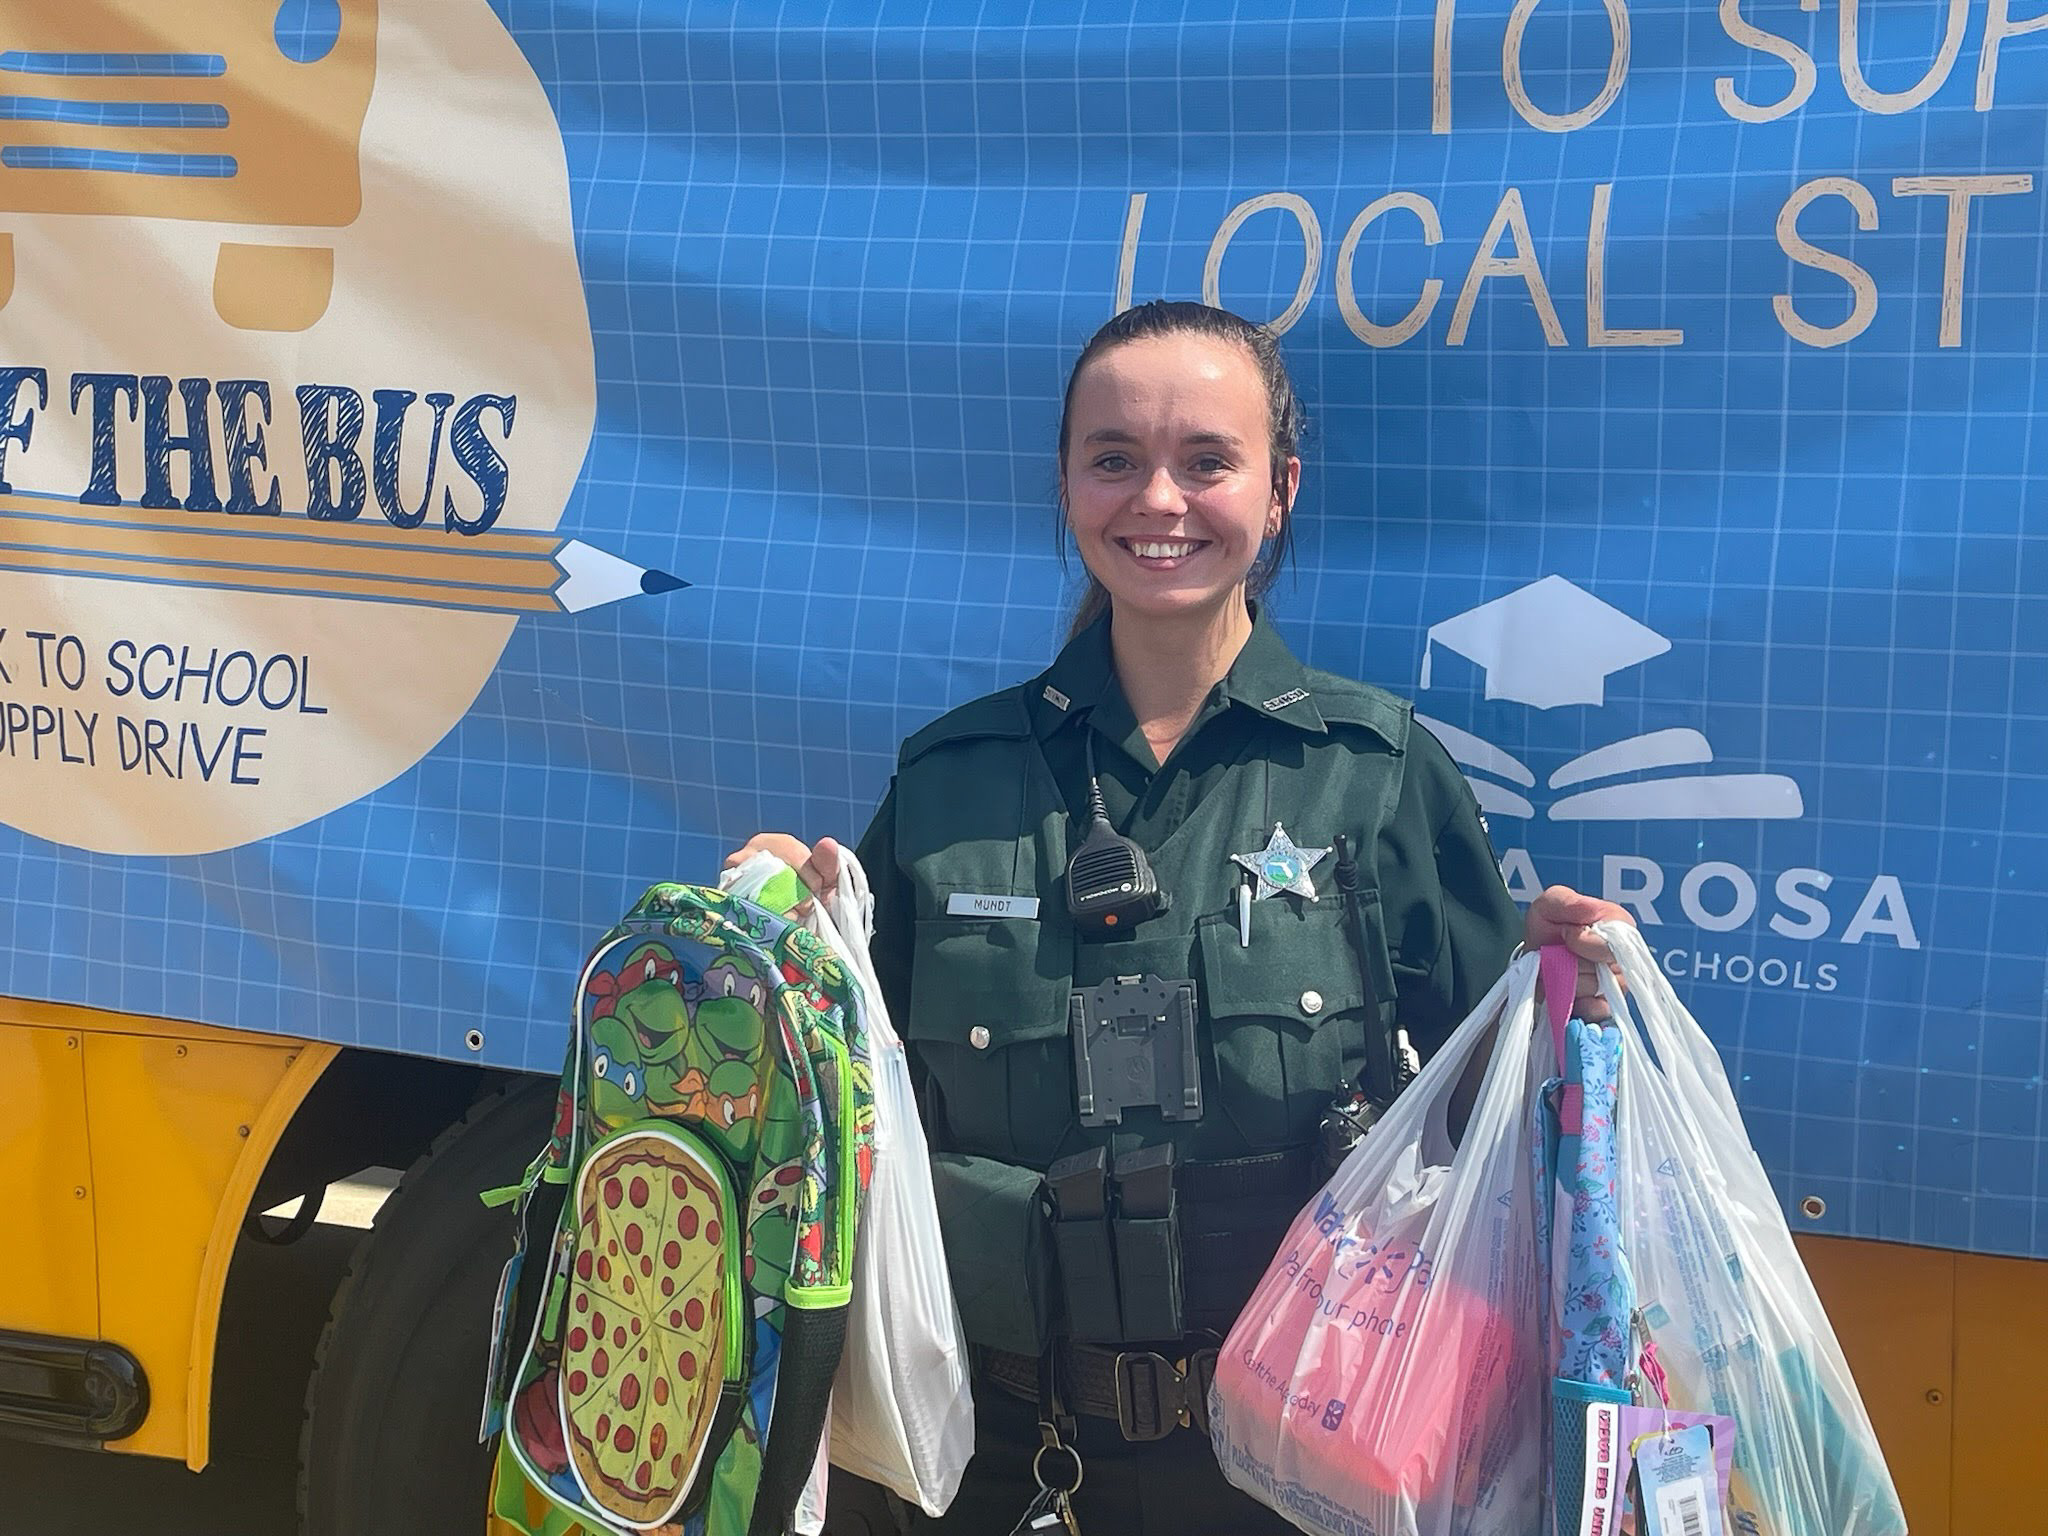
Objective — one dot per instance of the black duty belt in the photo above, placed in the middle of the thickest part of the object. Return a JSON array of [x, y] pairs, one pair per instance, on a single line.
[[1147, 1395]]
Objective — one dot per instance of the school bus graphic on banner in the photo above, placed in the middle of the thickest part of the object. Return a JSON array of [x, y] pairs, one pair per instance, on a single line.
[[307, 420], [239, 112]]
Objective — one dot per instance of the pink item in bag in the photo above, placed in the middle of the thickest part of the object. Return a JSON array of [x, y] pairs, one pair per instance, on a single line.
[[1385, 1378], [1363, 1351]]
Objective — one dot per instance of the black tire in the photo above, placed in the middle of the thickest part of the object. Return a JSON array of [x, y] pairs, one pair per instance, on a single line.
[[389, 1446]]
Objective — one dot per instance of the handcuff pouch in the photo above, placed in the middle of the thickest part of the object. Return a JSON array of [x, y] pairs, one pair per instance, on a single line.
[[993, 1219]]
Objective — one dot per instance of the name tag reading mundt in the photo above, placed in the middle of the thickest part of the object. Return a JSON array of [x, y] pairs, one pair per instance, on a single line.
[[970, 904]]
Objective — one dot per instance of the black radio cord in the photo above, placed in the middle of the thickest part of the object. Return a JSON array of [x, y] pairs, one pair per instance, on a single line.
[[1379, 1082]]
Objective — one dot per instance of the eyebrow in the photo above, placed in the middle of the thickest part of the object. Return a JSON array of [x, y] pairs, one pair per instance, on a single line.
[[1205, 439]]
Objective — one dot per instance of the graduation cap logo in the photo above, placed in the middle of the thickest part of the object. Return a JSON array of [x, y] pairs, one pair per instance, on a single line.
[[1507, 639]]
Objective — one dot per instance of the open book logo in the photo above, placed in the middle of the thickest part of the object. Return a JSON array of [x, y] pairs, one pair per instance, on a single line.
[[1506, 638]]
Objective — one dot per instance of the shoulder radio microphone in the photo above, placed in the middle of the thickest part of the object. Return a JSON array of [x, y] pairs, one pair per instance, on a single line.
[[1110, 884]]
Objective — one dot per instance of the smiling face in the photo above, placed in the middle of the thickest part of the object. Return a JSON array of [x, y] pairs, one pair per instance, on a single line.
[[618, 1078], [1168, 474], [655, 1013]]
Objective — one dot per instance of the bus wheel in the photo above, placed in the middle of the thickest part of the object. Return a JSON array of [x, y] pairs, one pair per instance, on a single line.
[[390, 1437]]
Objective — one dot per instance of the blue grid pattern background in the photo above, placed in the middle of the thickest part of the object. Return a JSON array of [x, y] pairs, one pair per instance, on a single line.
[[837, 259]]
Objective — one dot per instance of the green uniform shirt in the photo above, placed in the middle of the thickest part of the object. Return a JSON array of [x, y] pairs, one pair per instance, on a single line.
[[988, 801]]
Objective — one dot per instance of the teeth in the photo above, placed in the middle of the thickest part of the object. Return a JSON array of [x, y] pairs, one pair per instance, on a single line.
[[1155, 550]]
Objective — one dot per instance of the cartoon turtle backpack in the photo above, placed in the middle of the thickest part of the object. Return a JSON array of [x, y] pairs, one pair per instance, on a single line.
[[683, 1315]]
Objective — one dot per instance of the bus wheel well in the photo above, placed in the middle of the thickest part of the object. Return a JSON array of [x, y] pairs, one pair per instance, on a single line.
[[371, 1109]]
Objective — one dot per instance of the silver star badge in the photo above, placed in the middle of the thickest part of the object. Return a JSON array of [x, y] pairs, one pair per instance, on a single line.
[[1280, 866]]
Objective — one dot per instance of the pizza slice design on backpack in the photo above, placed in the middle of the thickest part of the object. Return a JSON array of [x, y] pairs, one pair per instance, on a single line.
[[714, 1140]]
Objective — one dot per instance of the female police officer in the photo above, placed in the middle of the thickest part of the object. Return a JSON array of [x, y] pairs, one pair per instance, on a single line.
[[1127, 1090]]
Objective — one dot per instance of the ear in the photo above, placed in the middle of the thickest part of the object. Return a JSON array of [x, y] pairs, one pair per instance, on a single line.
[[1283, 504]]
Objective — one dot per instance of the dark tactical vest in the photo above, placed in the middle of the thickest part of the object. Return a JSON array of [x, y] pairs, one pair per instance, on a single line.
[[1281, 1022]]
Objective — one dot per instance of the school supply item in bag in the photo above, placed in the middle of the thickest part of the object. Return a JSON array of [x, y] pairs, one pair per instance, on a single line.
[[1588, 1287], [1387, 1374], [1722, 1316], [902, 1402], [685, 1310], [1612, 1497]]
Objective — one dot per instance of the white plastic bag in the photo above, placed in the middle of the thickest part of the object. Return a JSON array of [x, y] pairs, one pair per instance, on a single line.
[[1386, 1377], [1720, 1288], [902, 1404], [809, 1519]]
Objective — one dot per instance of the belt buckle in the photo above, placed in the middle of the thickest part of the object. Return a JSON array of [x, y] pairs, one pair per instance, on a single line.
[[1150, 1403]]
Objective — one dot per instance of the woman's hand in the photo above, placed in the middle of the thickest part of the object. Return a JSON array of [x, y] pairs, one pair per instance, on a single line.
[[1562, 915], [819, 865]]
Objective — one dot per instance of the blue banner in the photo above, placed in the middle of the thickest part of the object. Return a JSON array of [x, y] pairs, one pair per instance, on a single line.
[[360, 423]]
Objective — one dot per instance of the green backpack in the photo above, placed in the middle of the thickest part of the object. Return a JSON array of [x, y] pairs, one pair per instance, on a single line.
[[713, 1139]]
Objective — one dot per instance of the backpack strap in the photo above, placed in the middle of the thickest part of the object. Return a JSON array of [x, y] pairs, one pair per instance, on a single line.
[[812, 1341], [505, 1194], [835, 1052]]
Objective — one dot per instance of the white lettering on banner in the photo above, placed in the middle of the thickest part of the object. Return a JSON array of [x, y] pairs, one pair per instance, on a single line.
[[1311, 254], [1510, 218], [1440, 67], [1518, 870], [1616, 870], [975, 904], [1507, 248], [1864, 308], [1791, 891], [1774, 971], [1754, 37], [1664, 775], [1597, 332], [1799, 913], [1518, 91], [1890, 103], [1635, 883], [1739, 910], [1883, 910], [1958, 190], [1512, 82], [1367, 331], [1127, 255], [1998, 26], [1942, 54]]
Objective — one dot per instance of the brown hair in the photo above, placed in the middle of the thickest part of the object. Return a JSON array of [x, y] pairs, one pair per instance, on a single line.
[[1284, 423]]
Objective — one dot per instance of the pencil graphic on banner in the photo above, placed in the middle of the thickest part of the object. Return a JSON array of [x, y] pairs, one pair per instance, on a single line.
[[499, 571]]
